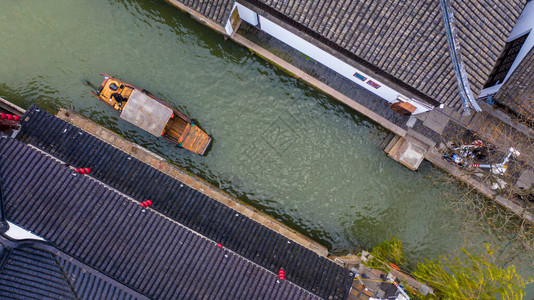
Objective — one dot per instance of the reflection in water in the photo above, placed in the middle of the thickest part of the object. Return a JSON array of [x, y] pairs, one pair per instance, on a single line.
[[278, 144]]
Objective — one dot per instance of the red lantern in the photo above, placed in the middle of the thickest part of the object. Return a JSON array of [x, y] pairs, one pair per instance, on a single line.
[[146, 203], [282, 274], [83, 170]]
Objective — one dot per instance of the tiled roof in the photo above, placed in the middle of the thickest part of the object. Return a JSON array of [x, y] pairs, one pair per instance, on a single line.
[[29, 271], [517, 93], [406, 39], [114, 235], [216, 10], [185, 205]]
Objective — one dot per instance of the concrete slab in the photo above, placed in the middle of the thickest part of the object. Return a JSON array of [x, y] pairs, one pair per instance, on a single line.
[[447, 110], [436, 121], [456, 115], [409, 153], [417, 136], [422, 116], [467, 119], [411, 122], [526, 180], [476, 122]]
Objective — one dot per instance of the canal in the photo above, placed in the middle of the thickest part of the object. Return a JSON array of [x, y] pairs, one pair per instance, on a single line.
[[279, 145]]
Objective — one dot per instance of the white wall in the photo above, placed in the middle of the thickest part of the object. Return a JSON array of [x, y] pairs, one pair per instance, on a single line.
[[325, 58], [524, 23], [247, 15], [321, 56], [228, 28], [19, 233]]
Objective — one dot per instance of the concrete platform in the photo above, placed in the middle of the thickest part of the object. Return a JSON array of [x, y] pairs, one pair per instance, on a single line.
[[408, 151], [436, 121], [526, 180]]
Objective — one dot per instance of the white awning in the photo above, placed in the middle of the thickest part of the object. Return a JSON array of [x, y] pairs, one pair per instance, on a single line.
[[146, 113]]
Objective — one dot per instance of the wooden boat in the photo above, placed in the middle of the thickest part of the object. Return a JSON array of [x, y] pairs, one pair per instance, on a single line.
[[142, 109]]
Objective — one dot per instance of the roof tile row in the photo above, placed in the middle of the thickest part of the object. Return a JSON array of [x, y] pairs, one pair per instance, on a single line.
[[116, 236], [185, 205], [407, 39], [217, 10], [517, 93], [32, 272]]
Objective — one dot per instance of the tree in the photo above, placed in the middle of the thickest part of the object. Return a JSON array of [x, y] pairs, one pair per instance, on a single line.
[[469, 277], [472, 277], [386, 253]]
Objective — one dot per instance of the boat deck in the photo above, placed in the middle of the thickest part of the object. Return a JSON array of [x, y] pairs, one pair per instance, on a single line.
[[175, 128], [106, 92], [196, 140]]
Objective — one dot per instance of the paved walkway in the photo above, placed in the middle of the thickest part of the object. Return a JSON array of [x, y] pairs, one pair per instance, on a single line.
[[395, 127]]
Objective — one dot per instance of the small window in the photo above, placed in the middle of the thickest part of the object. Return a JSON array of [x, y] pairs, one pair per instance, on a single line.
[[505, 61], [360, 76], [373, 84]]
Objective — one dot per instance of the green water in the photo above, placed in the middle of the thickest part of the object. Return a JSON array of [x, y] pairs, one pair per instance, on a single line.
[[278, 144]]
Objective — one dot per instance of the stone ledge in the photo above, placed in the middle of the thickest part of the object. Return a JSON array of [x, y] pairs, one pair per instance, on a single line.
[[297, 73]]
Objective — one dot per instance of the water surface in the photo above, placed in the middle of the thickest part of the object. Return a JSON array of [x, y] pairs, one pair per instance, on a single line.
[[279, 145]]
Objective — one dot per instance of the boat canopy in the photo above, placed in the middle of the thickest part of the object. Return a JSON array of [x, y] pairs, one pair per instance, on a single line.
[[146, 113]]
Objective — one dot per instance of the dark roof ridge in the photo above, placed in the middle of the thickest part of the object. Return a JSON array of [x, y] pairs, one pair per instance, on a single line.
[[47, 245], [185, 205], [175, 222], [127, 218], [11, 244], [455, 50]]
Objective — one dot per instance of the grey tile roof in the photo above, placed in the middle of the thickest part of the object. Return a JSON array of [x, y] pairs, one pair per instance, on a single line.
[[406, 39], [185, 205], [216, 10], [517, 93], [114, 235], [29, 271]]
